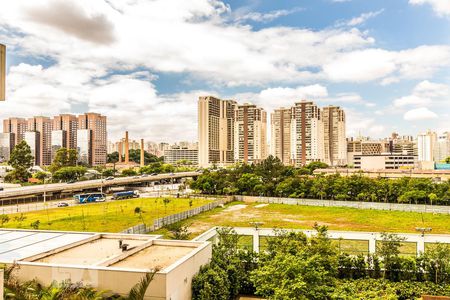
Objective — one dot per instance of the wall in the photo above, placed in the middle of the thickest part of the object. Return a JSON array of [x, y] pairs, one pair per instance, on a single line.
[[354, 204]]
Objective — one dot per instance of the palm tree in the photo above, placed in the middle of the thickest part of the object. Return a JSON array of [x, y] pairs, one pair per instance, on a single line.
[[138, 291]]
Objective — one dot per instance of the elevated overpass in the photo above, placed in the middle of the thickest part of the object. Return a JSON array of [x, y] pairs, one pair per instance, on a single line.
[[27, 192]]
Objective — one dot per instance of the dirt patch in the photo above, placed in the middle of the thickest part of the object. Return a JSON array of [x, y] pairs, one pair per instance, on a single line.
[[235, 207], [261, 205]]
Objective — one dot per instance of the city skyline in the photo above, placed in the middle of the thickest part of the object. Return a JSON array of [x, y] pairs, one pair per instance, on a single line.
[[388, 71]]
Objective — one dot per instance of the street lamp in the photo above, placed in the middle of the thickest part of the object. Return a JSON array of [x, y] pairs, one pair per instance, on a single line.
[[423, 230], [256, 224]]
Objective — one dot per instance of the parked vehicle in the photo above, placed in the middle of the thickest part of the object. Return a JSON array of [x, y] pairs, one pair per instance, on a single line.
[[109, 178], [62, 204], [125, 195], [89, 198], [153, 174]]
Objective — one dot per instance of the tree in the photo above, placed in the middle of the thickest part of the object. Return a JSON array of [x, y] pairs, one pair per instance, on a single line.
[[64, 158], [69, 173], [447, 160], [21, 160], [41, 175], [179, 231], [129, 172], [138, 291], [166, 201], [389, 249]]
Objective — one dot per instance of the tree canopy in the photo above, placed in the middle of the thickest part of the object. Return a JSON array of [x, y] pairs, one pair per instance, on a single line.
[[21, 160]]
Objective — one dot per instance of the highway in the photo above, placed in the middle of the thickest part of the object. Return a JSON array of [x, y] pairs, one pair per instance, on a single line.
[[38, 190]]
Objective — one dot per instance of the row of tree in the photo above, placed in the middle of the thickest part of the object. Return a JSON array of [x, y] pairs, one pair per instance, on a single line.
[[271, 178], [297, 267]]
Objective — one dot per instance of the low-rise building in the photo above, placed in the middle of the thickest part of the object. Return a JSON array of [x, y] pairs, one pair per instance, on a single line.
[[384, 161], [108, 262], [176, 154]]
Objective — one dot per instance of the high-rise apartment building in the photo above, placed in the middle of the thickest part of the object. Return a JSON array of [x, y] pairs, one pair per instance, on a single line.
[[17, 126], [58, 141], [2, 72], [335, 144], [68, 124], [280, 125], [306, 133], [32, 138], [215, 131], [250, 133], [443, 147], [6, 146], [96, 123], [84, 146], [42, 125], [426, 144]]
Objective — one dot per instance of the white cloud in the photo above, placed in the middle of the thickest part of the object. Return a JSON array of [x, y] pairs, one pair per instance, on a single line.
[[411, 100], [441, 7], [431, 89], [419, 114], [267, 17], [361, 19]]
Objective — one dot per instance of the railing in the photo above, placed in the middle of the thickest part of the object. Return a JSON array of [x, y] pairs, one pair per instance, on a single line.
[[167, 220], [420, 208]]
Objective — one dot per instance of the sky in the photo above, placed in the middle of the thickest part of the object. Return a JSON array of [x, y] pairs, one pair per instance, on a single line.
[[145, 63]]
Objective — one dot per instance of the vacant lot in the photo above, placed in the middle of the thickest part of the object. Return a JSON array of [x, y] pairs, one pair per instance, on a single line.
[[111, 216], [304, 217]]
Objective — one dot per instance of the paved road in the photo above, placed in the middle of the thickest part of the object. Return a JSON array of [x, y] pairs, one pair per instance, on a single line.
[[89, 184], [150, 192]]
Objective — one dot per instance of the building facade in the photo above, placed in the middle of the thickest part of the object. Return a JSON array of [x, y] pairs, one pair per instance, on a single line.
[[32, 138], [306, 134], [334, 136], [6, 146], [385, 162], [84, 146], [58, 141], [175, 154], [43, 126], [442, 150], [280, 125], [426, 145], [215, 131], [2, 72], [96, 123], [250, 133], [69, 124], [16, 126]]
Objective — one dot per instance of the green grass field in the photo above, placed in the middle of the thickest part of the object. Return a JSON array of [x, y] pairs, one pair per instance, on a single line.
[[304, 217], [113, 216]]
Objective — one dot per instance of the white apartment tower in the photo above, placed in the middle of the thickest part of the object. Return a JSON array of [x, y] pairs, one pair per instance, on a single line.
[[335, 143], [250, 133], [306, 133], [215, 131], [426, 145]]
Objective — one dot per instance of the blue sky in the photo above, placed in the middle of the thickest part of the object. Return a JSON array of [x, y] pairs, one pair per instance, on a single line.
[[145, 63]]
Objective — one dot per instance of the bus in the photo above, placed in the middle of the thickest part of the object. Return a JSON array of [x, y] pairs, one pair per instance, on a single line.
[[89, 197]]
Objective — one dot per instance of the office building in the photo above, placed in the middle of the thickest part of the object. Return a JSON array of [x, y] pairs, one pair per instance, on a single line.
[[6, 146], [69, 124], [250, 133], [96, 123], [2, 72], [186, 153], [306, 133], [84, 146], [43, 126], [385, 162], [403, 144], [334, 136], [32, 138], [58, 141], [16, 126], [215, 131], [280, 124], [365, 146]]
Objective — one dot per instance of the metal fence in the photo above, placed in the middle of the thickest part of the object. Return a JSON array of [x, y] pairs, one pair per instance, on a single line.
[[167, 220], [421, 208]]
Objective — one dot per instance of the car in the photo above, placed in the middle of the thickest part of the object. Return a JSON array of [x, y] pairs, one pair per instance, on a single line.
[[109, 178], [1, 188], [153, 174], [71, 181], [62, 204], [144, 175], [136, 177]]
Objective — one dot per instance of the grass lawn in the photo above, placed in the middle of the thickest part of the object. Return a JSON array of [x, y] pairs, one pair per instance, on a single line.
[[112, 216], [304, 217]]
